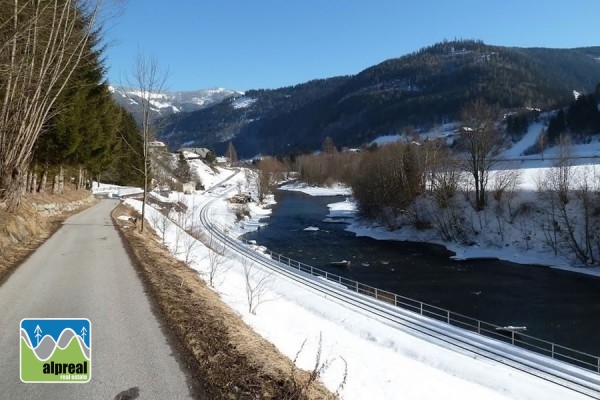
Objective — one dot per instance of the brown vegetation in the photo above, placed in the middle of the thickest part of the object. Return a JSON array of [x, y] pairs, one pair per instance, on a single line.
[[481, 141], [328, 168], [36, 219], [265, 176], [227, 358]]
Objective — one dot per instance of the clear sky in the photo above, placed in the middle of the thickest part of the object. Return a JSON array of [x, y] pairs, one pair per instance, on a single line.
[[253, 44]]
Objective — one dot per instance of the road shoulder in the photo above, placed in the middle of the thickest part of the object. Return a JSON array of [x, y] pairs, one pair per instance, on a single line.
[[21, 233], [226, 357]]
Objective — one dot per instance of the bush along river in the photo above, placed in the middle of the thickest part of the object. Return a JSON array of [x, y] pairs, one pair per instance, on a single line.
[[557, 306]]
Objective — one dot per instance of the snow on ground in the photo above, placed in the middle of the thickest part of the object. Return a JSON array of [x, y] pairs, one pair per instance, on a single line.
[[511, 245], [243, 102], [382, 362], [114, 190], [439, 132], [513, 248], [526, 141], [335, 190], [209, 176]]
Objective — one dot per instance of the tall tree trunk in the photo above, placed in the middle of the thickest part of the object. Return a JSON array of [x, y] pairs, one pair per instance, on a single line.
[[55, 184], [26, 181], [43, 181], [11, 181], [61, 181], [33, 187], [43, 44], [79, 179]]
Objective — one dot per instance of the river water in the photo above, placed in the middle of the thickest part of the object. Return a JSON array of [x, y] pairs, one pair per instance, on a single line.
[[554, 305]]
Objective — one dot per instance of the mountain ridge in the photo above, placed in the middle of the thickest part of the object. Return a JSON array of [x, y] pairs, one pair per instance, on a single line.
[[171, 102], [421, 89]]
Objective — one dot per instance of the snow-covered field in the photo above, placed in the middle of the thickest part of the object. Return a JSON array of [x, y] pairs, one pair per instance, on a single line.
[[519, 240], [382, 362]]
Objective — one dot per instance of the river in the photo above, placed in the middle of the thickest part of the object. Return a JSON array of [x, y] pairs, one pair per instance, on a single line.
[[558, 306]]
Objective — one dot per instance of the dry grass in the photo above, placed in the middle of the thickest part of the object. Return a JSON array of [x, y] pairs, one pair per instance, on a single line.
[[226, 357], [24, 231]]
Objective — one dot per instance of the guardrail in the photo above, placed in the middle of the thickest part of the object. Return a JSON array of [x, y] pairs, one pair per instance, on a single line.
[[514, 337]]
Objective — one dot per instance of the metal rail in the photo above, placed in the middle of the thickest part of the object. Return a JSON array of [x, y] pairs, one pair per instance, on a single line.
[[575, 370], [513, 337]]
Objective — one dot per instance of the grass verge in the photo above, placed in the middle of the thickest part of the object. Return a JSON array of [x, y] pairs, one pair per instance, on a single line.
[[225, 356], [25, 230]]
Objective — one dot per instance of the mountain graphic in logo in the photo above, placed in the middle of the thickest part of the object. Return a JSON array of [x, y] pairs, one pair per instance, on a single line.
[[55, 350]]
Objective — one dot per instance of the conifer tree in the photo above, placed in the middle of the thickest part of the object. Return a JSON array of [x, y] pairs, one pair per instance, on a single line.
[[183, 172], [43, 43], [82, 127], [231, 153], [328, 146]]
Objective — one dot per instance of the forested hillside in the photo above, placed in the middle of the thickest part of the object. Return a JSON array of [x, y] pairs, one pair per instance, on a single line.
[[418, 90], [247, 114], [58, 120]]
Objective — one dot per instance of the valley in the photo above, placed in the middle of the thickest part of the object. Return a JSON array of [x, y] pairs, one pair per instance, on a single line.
[[352, 206], [416, 92]]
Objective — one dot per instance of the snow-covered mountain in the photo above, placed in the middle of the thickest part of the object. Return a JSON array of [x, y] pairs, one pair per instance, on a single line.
[[420, 90], [166, 103]]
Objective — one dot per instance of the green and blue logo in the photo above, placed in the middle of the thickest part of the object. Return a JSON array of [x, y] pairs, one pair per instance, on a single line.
[[56, 350]]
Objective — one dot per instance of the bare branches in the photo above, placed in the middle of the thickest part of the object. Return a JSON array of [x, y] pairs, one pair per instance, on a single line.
[[162, 222], [217, 262], [301, 387], [258, 284], [480, 141], [45, 42], [149, 80]]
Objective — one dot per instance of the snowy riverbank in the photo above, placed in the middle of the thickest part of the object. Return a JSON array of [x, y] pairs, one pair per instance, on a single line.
[[383, 362], [515, 250]]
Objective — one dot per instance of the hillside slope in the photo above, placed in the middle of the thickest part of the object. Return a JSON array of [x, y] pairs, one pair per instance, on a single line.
[[417, 90]]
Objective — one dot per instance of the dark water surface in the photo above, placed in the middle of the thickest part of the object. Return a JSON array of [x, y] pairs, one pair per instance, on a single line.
[[557, 306]]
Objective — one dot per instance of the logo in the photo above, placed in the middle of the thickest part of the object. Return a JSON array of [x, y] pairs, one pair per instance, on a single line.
[[56, 350]]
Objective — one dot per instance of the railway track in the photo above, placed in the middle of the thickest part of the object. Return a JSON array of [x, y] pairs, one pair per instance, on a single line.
[[578, 379]]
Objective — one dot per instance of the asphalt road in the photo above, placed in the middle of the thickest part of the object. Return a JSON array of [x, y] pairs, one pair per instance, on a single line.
[[83, 271]]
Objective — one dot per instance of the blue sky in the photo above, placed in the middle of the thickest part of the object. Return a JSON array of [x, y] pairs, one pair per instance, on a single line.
[[252, 44]]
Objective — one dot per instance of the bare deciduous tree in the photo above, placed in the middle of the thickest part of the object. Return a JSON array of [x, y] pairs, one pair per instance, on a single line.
[[570, 207], [300, 387], [217, 262], [548, 215], [480, 141], [189, 221], [504, 186], [189, 245], [264, 178], [42, 44], [258, 284], [162, 222], [149, 79], [561, 177], [444, 178]]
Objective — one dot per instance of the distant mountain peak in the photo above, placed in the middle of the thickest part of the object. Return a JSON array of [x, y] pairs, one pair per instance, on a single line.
[[171, 102]]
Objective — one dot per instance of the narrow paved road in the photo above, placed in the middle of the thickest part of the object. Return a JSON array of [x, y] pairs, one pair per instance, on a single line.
[[83, 271]]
